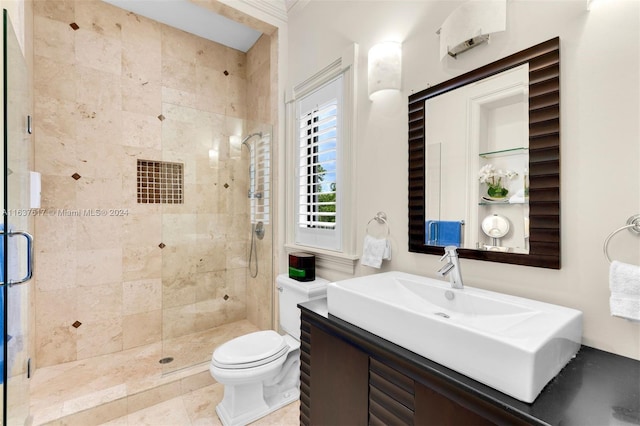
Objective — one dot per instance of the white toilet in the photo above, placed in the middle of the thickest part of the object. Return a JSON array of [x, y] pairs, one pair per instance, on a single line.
[[261, 371]]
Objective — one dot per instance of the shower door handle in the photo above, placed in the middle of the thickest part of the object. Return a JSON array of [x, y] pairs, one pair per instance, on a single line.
[[29, 273]]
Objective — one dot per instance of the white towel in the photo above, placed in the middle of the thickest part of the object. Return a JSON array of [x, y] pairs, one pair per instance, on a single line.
[[387, 250], [625, 307], [624, 283], [518, 197], [374, 250]]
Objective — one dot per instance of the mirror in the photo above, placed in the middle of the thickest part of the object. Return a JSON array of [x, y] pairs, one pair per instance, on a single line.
[[477, 149], [497, 124]]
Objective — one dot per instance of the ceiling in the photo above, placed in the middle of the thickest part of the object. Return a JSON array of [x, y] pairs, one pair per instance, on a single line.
[[189, 17]]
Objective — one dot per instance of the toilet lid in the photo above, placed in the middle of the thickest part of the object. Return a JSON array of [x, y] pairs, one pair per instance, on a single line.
[[250, 350]]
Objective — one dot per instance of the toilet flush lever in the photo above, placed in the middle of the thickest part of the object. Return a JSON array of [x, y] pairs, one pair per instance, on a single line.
[[280, 289]]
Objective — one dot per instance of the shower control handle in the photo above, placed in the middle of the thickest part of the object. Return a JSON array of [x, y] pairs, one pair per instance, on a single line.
[[259, 230]]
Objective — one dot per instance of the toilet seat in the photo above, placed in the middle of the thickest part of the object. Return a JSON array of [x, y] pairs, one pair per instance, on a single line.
[[250, 350]]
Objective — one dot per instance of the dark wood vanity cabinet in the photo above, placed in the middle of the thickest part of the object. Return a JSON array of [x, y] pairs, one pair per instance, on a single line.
[[334, 378], [346, 380]]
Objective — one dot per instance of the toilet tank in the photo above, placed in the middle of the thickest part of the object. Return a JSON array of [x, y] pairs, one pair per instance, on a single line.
[[292, 292]]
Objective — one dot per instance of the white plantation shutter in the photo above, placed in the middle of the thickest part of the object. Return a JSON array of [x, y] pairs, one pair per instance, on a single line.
[[318, 167], [319, 127]]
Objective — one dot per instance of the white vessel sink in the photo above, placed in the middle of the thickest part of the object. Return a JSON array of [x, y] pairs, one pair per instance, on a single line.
[[509, 343]]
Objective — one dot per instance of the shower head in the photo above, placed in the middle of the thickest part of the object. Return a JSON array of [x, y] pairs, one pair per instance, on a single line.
[[250, 136], [246, 138]]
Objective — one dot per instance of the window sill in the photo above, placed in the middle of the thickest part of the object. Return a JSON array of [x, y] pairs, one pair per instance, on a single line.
[[327, 259]]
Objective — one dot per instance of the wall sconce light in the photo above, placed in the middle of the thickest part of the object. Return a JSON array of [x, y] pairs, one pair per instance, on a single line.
[[385, 67], [470, 25], [591, 4]]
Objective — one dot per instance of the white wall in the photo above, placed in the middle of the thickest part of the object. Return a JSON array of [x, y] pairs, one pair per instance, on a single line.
[[600, 139], [16, 10]]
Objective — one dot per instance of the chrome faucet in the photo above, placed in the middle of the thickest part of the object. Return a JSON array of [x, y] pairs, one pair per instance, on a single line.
[[452, 267]]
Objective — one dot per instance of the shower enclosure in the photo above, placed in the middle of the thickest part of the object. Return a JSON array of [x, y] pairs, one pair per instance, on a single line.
[[142, 257], [215, 190]]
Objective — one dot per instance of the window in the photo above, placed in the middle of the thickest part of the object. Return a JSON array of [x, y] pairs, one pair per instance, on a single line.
[[318, 152], [321, 165]]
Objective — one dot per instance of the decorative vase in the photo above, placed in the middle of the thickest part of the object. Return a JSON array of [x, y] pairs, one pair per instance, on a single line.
[[497, 191]]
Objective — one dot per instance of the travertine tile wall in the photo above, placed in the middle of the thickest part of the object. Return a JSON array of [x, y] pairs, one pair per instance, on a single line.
[[259, 109], [117, 88]]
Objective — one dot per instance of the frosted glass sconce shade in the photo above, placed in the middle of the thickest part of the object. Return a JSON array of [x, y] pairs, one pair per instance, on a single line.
[[470, 25], [591, 4], [385, 67]]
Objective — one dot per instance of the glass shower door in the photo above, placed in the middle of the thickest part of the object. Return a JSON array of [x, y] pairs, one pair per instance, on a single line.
[[17, 245], [217, 191]]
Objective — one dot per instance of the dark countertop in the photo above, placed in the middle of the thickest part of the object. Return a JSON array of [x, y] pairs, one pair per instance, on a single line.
[[595, 388]]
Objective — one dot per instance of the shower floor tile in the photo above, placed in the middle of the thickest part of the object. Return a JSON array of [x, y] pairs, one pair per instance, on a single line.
[[128, 381]]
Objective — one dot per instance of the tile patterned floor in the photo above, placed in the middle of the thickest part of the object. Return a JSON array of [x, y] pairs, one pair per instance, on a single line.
[[198, 408], [97, 390]]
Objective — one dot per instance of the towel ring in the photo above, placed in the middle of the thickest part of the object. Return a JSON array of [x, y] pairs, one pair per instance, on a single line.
[[381, 218], [633, 224]]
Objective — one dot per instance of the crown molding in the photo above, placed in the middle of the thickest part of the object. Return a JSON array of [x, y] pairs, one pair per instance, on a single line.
[[295, 5], [274, 8]]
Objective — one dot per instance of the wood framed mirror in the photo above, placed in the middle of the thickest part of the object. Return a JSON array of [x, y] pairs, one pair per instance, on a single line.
[[543, 235]]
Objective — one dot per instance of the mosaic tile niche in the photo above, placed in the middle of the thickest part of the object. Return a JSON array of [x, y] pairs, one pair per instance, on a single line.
[[160, 182]]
